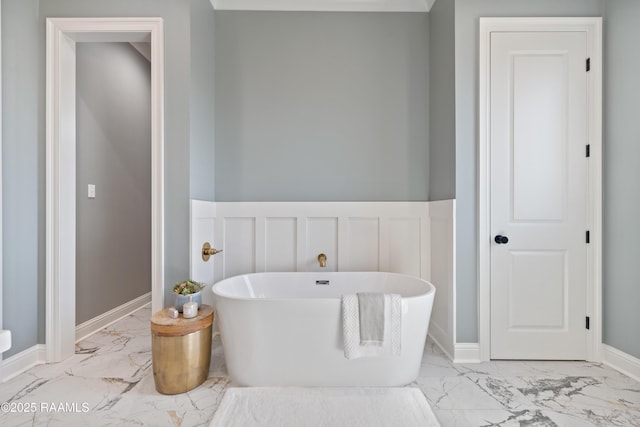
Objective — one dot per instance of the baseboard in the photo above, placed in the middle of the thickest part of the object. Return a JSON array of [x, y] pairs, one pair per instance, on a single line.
[[621, 361], [20, 362], [468, 352], [92, 326], [436, 339]]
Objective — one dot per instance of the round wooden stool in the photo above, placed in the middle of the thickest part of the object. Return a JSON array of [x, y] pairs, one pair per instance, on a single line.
[[180, 350]]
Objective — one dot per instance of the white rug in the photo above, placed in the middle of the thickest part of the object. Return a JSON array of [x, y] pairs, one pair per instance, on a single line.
[[330, 407]]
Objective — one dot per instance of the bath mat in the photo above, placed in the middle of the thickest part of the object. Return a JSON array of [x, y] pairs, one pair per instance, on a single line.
[[327, 407]]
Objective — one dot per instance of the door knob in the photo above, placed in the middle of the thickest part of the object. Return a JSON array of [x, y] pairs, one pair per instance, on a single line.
[[501, 240]]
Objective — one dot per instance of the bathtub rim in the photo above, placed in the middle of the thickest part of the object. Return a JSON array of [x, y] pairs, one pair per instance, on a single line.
[[430, 292]]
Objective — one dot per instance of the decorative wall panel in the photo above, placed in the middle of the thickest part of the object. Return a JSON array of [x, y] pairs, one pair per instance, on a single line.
[[415, 238]]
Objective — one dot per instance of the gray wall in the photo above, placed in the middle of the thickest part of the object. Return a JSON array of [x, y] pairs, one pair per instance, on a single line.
[[621, 284], [23, 53], [321, 106], [442, 119], [113, 152], [23, 173], [467, 14], [202, 101]]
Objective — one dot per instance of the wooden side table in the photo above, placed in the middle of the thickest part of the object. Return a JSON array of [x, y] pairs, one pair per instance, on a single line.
[[180, 350]]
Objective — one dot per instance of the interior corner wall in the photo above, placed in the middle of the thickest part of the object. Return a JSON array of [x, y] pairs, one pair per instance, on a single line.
[[442, 120], [318, 106], [467, 14], [621, 269], [202, 135]]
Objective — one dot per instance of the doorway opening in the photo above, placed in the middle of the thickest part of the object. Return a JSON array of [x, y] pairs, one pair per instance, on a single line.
[[113, 177], [62, 36]]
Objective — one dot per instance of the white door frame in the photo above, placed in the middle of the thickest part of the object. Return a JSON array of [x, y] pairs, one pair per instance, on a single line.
[[593, 28], [1, 197], [62, 35]]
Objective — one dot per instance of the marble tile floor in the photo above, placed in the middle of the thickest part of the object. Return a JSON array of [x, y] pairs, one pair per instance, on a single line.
[[109, 382]]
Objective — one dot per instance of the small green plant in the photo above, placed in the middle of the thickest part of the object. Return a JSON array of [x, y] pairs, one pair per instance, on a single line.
[[187, 287]]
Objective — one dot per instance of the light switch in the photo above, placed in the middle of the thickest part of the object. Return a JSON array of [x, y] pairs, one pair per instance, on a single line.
[[91, 191]]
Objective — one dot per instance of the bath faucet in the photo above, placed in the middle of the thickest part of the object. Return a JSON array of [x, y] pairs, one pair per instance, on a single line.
[[208, 251], [322, 259]]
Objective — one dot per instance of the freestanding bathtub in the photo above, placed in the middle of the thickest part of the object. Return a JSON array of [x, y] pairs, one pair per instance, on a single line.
[[285, 329]]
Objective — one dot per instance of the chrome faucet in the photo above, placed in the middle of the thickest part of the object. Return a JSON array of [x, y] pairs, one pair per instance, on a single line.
[[322, 259]]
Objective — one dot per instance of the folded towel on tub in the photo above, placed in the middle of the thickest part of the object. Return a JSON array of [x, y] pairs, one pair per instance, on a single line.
[[371, 324], [371, 313]]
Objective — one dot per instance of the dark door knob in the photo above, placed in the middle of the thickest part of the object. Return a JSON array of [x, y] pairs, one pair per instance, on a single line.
[[501, 240]]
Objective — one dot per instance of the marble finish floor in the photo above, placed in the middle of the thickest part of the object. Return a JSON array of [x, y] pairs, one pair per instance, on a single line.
[[109, 382]]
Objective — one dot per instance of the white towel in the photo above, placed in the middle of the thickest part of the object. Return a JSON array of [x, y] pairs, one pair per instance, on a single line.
[[371, 312], [354, 347]]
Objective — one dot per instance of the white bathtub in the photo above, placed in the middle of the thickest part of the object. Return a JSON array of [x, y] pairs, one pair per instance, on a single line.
[[283, 329]]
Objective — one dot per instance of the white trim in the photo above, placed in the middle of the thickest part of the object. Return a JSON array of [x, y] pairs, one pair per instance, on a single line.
[[23, 361], [100, 322], [593, 28], [201, 225], [467, 353], [200, 210], [437, 342], [1, 238], [5, 340], [621, 361], [326, 5], [442, 327], [62, 35]]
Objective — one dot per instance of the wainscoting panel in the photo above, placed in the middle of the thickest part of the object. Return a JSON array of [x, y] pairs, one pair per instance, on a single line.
[[442, 328], [404, 246], [281, 244], [415, 238], [240, 245], [321, 238], [282, 236], [202, 226], [362, 242]]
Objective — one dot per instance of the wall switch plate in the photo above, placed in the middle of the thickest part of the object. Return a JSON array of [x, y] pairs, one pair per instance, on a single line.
[[91, 191]]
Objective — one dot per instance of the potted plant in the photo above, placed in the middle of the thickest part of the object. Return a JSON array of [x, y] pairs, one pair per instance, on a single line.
[[185, 289]]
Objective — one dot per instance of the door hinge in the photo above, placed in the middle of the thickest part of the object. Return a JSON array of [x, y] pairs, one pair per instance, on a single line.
[[588, 150], [586, 324], [588, 237], [588, 64]]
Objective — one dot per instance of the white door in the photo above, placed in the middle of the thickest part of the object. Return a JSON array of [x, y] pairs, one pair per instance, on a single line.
[[538, 194]]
